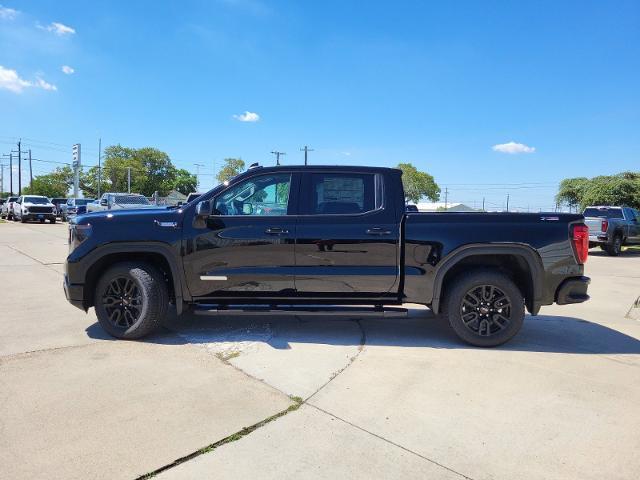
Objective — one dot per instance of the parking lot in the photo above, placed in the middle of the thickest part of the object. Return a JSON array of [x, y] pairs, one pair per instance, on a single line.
[[322, 397]]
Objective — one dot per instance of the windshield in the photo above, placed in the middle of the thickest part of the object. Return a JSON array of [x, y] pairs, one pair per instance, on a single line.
[[36, 200], [603, 212], [131, 200], [83, 201]]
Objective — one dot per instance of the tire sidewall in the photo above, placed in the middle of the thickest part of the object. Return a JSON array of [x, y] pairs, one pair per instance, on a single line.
[[151, 309], [458, 289]]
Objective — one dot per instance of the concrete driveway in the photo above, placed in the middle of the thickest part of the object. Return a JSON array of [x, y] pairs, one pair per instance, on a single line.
[[381, 398]]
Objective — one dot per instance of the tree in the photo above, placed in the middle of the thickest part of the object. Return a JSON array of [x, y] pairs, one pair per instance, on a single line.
[[571, 191], [54, 184], [185, 182], [620, 189], [418, 184], [232, 167], [151, 170]]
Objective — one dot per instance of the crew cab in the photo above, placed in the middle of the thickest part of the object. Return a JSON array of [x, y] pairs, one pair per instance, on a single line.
[[111, 201], [34, 207], [7, 208], [303, 235], [612, 227], [71, 207]]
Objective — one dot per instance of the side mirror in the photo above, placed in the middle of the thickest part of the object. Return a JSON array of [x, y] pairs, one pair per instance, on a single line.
[[203, 209], [103, 202]]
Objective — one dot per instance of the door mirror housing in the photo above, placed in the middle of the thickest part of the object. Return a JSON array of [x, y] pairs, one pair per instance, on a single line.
[[203, 209], [103, 202]]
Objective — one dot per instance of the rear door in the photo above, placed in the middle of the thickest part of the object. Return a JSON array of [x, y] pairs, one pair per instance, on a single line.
[[633, 220], [347, 236]]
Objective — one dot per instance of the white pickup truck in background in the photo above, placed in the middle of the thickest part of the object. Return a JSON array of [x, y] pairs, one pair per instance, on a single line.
[[110, 201]]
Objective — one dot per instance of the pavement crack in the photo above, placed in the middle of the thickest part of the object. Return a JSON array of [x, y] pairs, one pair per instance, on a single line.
[[430, 460], [298, 402], [363, 341]]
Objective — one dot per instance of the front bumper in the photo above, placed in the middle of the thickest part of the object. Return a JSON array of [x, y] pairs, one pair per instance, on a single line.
[[74, 293], [39, 216], [573, 290]]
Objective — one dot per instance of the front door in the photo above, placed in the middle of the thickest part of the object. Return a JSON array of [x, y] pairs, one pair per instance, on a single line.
[[246, 247], [347, 238]]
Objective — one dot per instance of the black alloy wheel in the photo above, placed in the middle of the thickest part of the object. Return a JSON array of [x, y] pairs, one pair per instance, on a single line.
[[485, 310], [122, 301]]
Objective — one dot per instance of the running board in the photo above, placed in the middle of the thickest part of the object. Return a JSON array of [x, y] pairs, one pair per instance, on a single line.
[[311, 310]]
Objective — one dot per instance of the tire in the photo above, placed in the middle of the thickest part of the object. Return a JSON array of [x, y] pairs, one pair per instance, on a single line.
[[53, 220], [42, 220], [615, 248], [494, 323], [136, 319]]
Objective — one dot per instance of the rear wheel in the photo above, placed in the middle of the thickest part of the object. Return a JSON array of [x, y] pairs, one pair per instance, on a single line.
[[615, 248], [484, 309], [131, 300]]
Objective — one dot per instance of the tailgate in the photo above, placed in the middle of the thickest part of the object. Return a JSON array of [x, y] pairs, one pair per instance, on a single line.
[[594, 224]]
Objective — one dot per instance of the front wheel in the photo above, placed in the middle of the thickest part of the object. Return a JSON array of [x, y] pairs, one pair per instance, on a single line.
[[53, 220], [484, 309], [131, 300]]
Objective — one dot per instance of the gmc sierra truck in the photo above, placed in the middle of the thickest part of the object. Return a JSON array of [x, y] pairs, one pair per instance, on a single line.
[[308, 236], [612, 227]]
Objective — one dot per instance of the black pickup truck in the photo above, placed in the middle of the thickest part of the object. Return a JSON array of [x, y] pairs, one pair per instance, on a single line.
[[321, 235]]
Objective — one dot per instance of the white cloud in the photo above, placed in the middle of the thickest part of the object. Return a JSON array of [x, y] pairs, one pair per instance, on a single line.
[[247, 117], [513, 148], [67, 69], [10, 80], [40, 83], [7, 13], [59, 29]]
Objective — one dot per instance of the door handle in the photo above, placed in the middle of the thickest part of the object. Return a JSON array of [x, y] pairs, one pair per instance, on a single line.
[[275, 231], [378, 231]]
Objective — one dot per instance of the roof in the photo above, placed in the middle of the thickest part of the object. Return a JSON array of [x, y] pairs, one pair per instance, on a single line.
[[276, 168]]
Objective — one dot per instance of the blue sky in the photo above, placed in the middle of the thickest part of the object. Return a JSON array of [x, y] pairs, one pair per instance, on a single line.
[[437, 84]]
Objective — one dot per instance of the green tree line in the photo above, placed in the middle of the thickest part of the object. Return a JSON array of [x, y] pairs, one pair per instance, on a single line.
[[622, 189]]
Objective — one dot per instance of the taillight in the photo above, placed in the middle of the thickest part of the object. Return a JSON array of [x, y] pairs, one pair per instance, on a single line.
[[605, 225], [580, 239]]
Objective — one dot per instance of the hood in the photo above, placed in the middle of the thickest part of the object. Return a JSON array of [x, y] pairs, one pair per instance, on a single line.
[[121, 215]]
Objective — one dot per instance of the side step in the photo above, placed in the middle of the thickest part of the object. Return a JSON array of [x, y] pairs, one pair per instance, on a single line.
[[303, 310]]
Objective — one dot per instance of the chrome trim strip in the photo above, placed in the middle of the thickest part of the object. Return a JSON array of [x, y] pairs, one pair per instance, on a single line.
[[213, 277]]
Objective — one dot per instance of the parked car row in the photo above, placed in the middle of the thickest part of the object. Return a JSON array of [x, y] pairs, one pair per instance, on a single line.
[[29, 207], [37, 207]]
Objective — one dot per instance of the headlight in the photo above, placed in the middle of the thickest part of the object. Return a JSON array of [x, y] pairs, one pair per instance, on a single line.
[[78, 234]]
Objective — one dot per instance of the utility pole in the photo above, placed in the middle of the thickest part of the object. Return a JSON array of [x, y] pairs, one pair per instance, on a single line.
[[198, 165], [277, 154], [446, 197], [128, 179], [19, 169], [30, 170], [483, 204], [11, 174], [1, 177], [99, 164], [306, 151], [507, 202]]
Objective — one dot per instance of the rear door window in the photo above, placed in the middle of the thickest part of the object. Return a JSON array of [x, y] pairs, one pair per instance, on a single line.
[[345, 193]]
